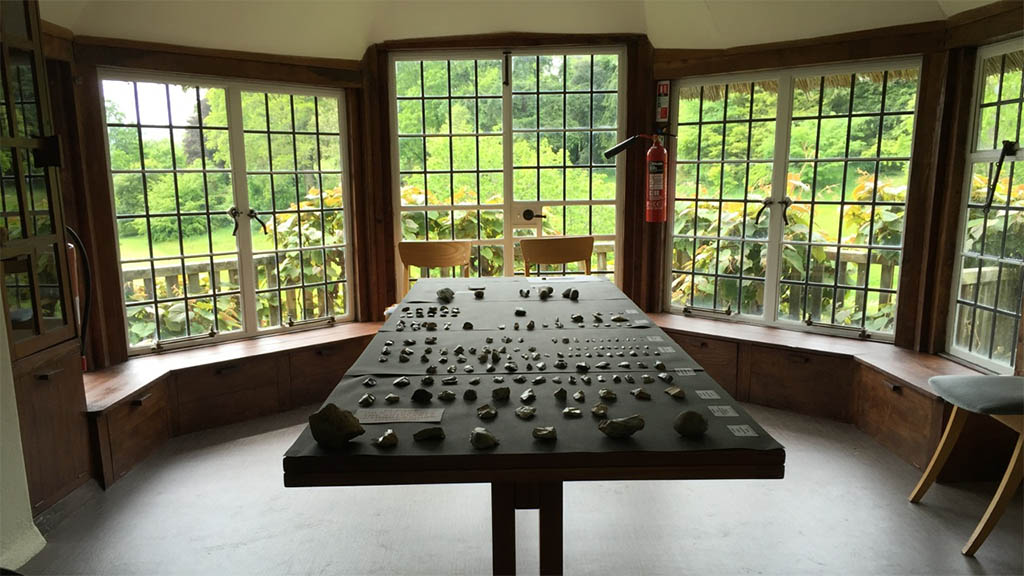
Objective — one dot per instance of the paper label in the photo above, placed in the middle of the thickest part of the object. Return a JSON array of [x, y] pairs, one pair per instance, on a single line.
[[708, 394], [742, 430], [396, 415], [666, 349], [687, 372], [723, 411], [655, 339]]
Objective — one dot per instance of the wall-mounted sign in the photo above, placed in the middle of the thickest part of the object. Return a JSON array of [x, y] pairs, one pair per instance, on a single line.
[[662, 101]]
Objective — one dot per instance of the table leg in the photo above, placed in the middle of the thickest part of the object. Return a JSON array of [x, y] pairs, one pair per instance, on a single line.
[[551, 528], [503, 528]]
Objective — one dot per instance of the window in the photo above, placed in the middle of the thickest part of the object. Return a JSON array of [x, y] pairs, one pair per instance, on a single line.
[[229, 207], [789, 196], [987, 296], [475, 152]]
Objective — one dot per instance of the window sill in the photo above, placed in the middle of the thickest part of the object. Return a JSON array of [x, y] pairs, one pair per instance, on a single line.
[[907, 366], [110, 386]]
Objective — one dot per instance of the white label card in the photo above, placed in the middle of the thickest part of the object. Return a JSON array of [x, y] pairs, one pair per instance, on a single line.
[[666, 349], [708, 394], [723, 411], [655, 339], [690, 372], [389, 415], [742, 430]]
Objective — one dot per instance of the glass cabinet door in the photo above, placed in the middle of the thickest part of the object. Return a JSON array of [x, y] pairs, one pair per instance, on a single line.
[[33, 254]]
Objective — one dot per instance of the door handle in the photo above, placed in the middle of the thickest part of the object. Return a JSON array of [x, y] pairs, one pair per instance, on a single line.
[[48, 375], [529, 214], [141, 399]]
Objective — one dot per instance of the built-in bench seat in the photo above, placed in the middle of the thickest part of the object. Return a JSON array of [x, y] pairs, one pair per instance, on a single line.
[[136, 405]]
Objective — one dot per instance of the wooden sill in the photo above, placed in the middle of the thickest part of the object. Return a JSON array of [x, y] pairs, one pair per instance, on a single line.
[[907, 366], [110, 386]]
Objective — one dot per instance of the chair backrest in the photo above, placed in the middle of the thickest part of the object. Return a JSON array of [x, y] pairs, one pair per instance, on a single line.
[[557, 250], [439, 254]]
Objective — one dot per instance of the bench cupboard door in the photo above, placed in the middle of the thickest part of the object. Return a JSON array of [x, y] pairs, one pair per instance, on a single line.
[[229, 392], [138, 426], [317, 370], [813, 384], [717, 357], [897, 416]]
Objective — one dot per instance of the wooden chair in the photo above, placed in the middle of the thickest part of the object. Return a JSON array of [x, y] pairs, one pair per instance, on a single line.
[[557, 250], [1002, 398], [444, 254]]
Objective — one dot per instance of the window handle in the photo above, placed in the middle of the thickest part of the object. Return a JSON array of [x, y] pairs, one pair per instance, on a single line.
[[254, 214], [1010, 148], [234, 213], [765, 202], [786, 201]]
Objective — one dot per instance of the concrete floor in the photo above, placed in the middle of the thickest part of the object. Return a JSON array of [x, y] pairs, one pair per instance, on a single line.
[[213, 503]]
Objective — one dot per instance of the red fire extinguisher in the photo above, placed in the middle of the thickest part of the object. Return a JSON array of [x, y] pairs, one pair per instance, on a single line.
[[656, 159]]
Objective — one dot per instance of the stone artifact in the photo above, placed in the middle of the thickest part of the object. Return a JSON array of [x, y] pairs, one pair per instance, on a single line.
[[602, 365], [500, 394], [486, 412], [624, 365], [481, 439], [640, 394], [370, 382], [511, 367], [629, 378], [467, 325], [579, 396], [619, 318], [446, 396], [391, 398], [469, 394], [659, 365], [621, 427], [520, 312], [606, 394], [520, 379], [445, 295], [647, 378], [571, 293], [427, 381], [525, 412], [427, 434], [561, 394], [530, 325], [585, 379], [431, 369], [332, 427], [401, 382], [600, 410], [525, 293], [528, 396], [367, 400], [561, 364], [665, 377], [388, 440], [690, 424], [479, 294], [676, 392], [572, 412], [545, 433], [450, 380], [582, 367], [431, 340], [421, 396], [577, 318]]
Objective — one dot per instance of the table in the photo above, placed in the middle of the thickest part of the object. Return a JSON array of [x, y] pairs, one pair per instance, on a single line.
[[526, 473]]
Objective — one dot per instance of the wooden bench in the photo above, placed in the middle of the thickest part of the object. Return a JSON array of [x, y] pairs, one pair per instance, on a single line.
[[135, 406], [881, 389]]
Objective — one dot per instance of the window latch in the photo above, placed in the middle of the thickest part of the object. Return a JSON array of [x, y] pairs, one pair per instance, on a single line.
[[234, 213], [766, 202], [254, 214], [786, 202], [1010, 148]]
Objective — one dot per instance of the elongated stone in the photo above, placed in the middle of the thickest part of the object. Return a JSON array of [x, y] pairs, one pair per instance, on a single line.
[[676, 392], [525, 412], [401, 382], [640, 394], [545, 433], [422, 396], [619, 318], [621, 427], [450, 380], [391, 399], [572, 412], [446, 396], [370, 382], [333, 427], [482, 439], [501, 393], [690, 424], [367, 400], [486, 412], [540, 379], [577, 318], [387, 440], [607, 395], [520, 311], [433, 433]]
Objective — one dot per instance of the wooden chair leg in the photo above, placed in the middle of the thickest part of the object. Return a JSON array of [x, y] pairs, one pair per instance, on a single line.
[[942, 451], [1007, 488]]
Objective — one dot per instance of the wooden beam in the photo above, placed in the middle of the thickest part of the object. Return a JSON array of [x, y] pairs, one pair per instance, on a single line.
[[57, 41], [986, 24], [510, 40]]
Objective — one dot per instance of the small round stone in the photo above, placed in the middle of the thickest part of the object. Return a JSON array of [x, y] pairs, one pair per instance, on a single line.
[[690, 424]]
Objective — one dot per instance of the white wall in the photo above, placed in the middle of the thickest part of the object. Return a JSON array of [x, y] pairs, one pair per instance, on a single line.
[[19, 538], [344, 28]]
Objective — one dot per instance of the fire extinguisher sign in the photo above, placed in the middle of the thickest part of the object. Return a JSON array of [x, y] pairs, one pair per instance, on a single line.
[[656, 180], [662, 101]]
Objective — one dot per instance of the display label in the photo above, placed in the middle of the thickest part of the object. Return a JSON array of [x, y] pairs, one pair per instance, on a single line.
[[708, 394], [742, 430], [723, 411]]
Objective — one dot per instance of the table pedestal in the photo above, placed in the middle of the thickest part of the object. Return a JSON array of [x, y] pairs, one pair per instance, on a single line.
[[506, 498]]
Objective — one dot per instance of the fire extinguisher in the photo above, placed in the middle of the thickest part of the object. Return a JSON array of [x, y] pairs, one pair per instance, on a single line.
[[656, 159]]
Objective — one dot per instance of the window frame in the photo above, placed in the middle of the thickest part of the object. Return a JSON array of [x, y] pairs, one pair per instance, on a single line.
[[780, 159], [508, 238], [972, 157], [233, 87]]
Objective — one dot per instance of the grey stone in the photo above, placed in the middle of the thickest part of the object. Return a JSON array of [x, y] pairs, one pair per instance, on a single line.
[[520, 312], [540, 379], [370, 382], [545, 433], [450, 380], [572, 412], [607, 395], [333, 427], [482, 439], [579, 396], [367, 400], [528, 396], [619, 318], [401, 382], [421, 396], [445, 295], [387, 440], [525, 412], [600, 410], [640, 394], [665, 377], [427, 381], [621, 427], [391, 399], [561, 394], [659, 365], [469, 394], [435, 433], [647, 378], [501, 394], [486, 412], [690, 424], [446, 396], [582, 367], [676, 392]]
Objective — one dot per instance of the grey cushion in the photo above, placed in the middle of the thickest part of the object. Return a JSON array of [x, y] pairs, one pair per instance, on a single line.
[[982, 394]]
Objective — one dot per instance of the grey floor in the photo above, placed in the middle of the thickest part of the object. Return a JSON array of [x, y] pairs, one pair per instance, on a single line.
[[213, 503]]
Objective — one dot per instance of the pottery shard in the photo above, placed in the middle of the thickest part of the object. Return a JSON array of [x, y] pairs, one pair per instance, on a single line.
[[445, 295], [606, 394], [427, 434], [528, 396], [690, 424], [621, 427], [482, 439], [388, 440], [545, 433], [486, 412], [370, 382], [367, 400], [391, 398], [675, 392], [640, 394], [665, 377], [401, 382], [469, 394], [600, 410], [525, 412], [501, 393], [446, 396], [332, 427], [572, 412], [579, 396], [561, 394], [421, 396]]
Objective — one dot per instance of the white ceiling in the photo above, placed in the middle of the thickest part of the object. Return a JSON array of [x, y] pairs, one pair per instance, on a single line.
[[344, 28]]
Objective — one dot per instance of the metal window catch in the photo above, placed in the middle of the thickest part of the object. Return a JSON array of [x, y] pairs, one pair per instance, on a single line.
[[765, 202], [254, 214], [786, 202], [234, 213], [1010, 148]]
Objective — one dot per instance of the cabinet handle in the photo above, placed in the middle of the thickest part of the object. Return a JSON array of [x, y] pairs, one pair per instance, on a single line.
[[892, 386], [141, 399], [226, 368], [703, 344], [324, 351], [48, 375]]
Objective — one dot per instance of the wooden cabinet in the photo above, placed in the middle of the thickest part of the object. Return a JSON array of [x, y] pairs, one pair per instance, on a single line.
[[138, 426], [717, 357], [228, 392], [52, 418], [814, 384], [315, 371], [899, 417]]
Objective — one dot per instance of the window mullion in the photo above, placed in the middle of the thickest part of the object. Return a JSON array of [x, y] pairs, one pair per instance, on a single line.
[[506, 162], [240, 189], [780, 164]]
